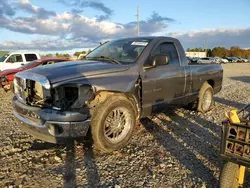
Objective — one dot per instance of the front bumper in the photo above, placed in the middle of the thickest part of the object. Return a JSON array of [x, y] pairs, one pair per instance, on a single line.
[[50, 125]]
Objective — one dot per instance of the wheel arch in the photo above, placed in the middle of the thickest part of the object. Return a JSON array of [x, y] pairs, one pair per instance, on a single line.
[[210, 82], [102, 95]]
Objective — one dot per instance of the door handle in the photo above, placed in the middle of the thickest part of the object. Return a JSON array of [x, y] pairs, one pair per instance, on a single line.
[[22, 63]]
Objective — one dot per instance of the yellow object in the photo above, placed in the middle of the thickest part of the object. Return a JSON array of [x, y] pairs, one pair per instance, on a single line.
[[232, 116], [242, 174]]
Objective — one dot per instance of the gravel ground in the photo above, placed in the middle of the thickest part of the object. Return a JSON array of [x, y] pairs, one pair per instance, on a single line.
[[178, 148]]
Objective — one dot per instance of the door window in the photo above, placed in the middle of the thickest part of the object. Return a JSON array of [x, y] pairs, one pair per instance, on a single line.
[[16, 58], [48, 62], [204, 58], [168, 50], [30, 57]]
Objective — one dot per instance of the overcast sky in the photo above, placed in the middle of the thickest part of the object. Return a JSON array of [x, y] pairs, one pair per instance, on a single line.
[[70, 25]]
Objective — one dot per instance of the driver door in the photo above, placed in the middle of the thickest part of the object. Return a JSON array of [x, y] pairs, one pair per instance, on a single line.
[[164, 79], [14, 61]]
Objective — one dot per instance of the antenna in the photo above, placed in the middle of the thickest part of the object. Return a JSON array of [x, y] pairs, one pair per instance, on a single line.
[[138, 21]]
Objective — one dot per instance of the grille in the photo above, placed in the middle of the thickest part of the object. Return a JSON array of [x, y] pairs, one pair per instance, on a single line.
[[31, 88], [28, 91]]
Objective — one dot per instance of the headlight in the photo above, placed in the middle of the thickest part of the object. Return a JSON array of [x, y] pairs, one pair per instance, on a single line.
[[73, 96], [85, 94]]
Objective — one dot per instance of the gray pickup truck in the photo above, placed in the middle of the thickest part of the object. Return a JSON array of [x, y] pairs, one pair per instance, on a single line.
[[117, 84]]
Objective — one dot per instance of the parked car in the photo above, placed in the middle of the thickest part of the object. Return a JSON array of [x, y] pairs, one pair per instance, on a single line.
[[7, 76], [216, 60], [224, 60], [220, 60], [235, 59], [243, 60], [17, 59], [229, 59], [206, 60], [119, 82]]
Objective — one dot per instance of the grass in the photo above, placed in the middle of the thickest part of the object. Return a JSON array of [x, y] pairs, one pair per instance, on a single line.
[[2, 53]]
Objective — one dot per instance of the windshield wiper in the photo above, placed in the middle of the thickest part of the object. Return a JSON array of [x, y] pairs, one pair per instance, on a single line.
[[105, 58]]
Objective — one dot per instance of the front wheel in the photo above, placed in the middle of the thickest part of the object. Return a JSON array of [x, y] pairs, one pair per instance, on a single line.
[[206, 98], [113, 123], [229, 177]]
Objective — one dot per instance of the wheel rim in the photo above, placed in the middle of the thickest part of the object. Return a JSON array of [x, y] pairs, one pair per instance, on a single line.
[[207, 100], [117, 125]]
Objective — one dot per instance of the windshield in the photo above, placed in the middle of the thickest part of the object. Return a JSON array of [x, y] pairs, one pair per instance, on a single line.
[[125, 51], [28, 65], [4, 57]]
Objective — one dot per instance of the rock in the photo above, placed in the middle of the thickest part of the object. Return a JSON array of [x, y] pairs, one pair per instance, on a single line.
[[63, 155], [58, 159], [168, 118], [169, 165], [180, 114], [162, 165], [203, 185]]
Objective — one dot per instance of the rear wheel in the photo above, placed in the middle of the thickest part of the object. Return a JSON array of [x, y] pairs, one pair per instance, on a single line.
[[229, 177], [113, 123], [206, 98]]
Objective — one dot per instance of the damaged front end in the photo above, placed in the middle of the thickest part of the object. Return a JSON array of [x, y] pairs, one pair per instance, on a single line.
[[36, 91], [55, 113]]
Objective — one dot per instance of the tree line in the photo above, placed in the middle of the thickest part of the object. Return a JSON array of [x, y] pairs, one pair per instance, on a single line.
[[66, 55], [76, 54], [234, 51]]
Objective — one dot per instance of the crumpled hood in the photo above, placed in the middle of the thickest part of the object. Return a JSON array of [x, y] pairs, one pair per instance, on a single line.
[[74, 69], [8, 71]]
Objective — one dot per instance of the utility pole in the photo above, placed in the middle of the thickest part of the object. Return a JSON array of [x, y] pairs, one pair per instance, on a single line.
[[138, 21]]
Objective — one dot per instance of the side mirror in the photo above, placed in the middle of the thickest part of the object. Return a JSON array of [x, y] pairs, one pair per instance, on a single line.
[[160, 60], [153, 65], [157, 60]]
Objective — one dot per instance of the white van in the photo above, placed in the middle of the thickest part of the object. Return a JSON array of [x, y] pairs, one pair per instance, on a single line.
[[17, 59]]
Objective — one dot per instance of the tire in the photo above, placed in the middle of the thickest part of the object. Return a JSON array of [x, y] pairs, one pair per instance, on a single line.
[[115, 110], [206, 98], [230, 175]]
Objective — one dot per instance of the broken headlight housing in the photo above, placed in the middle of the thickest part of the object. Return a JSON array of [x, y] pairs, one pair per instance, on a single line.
[[71, 96]]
